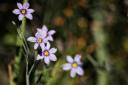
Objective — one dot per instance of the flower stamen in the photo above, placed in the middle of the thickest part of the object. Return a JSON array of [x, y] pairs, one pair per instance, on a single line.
[[74, 65], [39, 40], [46, 53], [23, 11]]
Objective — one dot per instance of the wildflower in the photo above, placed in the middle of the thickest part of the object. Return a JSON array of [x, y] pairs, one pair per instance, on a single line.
[[49, 33], [74, 65], [23, 11], [39, 39], [47, 54]]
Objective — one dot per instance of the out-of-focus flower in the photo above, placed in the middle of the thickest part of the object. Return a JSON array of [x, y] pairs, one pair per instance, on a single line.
[[68, 12], [39, 39], [47, 54], [59, 21], [81, 42], [23, 11], [82, 23], [49, 33], [74, 65], [82, 3]]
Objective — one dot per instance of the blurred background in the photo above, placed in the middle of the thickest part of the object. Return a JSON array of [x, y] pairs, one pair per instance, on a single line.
[[96, 29]]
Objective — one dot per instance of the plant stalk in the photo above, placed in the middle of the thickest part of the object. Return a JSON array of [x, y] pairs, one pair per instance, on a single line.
[[101, 52], [23, 29]]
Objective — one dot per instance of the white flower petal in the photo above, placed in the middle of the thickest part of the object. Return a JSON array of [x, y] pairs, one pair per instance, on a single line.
[[31, 39], [42, 45], [16, 11], [39, 57], [19, 5], [49, 38], [52, 57], [48, 45], [40, 33], [36, 45], [70, 59], [43, 32], [51, 32], [67, 66], [46, 60], [29, 16], [73, 73], [77, 59], [39, 30], [52, 50], [44, 28], [80, 71], [26, 5], [30, 11], [45, 40], [20, 17]]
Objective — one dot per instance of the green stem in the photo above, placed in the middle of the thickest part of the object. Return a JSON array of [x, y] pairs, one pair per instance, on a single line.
[[101, 52], [23, 28], [25, 1], [31, 68], [20, 42], [93, 62]]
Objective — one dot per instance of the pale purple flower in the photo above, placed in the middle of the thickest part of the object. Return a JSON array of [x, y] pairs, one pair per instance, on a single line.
[[74, 65], [49, 33], [48, 54], [39, 39], [23, 11]]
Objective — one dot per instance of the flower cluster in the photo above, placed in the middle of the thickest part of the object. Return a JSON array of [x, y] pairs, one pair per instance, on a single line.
[[42, 39]]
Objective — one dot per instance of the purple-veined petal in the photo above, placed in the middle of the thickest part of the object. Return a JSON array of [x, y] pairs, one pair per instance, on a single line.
[[46, 60], [66, 66], [80, 71], [69, 59], [26, 5], [39, 57], [49, 38], [41, 34], [52, 50], [39, 30], [77, 59], [31, 39], [52, 57], [51, 32], [42, 45], [16, 11], [44, 28], [45, 40], [19, 5], [47, 46], [36, 46], [37, 35], [73, 73], [29, 16], [30, 10], [20, 17]]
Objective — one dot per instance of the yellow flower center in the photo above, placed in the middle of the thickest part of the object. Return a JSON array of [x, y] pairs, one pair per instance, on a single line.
[[46, 53], [23, 11], [40, 40], [74, 65]]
